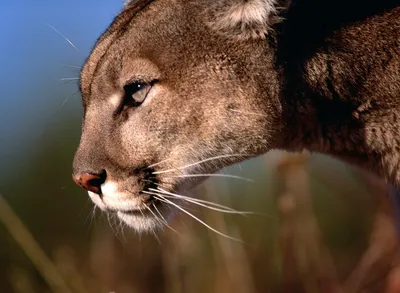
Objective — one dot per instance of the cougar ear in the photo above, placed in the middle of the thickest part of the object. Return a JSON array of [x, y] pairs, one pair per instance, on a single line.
[[244, 18]]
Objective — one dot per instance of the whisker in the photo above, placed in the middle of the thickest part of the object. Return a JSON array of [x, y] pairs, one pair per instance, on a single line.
[[67, 99], [119, 234], [214, 208], [68, 78], [161, 216], [61, 34], [225, 209], [71, 66], [161, 219], [155, 236], [213, 175], [158, 193], [121, 229], [199, 162], [154, 215], [162, 198], [111, 224], [164, 220], [184, 198], [156, 164], [92, 215], [204, 203]]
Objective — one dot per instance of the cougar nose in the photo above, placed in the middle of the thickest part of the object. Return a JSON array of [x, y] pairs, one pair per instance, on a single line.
[[90, 181]]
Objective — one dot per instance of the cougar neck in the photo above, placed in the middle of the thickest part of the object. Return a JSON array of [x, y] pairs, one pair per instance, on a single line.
[[341, 97]]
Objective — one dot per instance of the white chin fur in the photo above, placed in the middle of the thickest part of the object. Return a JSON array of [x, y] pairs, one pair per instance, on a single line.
[[97, 200], [141, 223], [124, 203]]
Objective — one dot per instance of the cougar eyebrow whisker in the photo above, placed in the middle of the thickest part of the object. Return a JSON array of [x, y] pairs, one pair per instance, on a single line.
[[67, 99], [199, 162], [163, 199], [68, 78], [62, 35], [71, 66]]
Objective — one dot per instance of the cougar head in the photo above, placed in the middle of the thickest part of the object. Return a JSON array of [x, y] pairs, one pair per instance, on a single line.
[[174, 89]]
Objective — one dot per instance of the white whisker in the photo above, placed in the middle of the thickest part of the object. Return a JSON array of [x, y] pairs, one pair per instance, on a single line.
[[121, 229], [61, 34], [71, 66], [162, 198], [158, 193], [184, 198], [156, 164], [111, 224], [156, 236], [93, 215], [199, 162], [161, 216], [213, 175], [164, 220], [67, 99], [204, 203], [68, 78], [225, 209], [154, 215], [161, 219]]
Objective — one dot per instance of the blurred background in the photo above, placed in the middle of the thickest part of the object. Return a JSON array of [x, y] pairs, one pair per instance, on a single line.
[[320, 225]]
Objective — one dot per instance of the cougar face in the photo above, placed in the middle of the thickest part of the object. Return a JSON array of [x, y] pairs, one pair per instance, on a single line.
[[174, 90], [159, 98]]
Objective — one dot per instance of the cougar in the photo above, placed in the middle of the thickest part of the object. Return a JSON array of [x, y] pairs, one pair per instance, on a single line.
[[175, 90]]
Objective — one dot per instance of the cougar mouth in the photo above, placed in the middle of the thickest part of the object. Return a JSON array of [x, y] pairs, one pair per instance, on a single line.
[[148, 199], [143, 212], [142, 200]]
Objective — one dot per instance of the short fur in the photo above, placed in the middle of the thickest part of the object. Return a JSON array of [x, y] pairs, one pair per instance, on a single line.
[[326, 78], [243, 18]]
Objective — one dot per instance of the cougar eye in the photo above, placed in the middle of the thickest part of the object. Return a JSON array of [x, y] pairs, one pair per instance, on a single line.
[[136, 93]]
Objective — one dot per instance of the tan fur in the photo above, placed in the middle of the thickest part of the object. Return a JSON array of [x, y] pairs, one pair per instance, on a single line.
[[222, 84], [250, 19]]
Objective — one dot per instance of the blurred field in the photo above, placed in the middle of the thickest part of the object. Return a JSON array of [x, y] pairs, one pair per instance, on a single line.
[[322, 226]]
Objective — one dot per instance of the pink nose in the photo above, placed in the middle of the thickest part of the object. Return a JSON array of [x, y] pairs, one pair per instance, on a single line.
[[89, 181]]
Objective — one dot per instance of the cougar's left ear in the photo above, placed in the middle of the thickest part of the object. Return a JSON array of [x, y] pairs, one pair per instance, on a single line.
[[245, 18]]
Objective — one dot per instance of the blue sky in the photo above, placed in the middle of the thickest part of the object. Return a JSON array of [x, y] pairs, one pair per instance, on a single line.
[[32, 57], [24, 30]]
